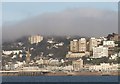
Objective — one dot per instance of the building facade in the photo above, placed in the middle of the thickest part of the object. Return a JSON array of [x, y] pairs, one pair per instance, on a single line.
[[109, 43], [92, 43], [77, 65], [100, 51], [104, 67], [82, 45], [74, 46], [35, 39]]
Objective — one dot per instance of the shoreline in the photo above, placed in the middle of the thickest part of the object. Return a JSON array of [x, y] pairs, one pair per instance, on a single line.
[[60, 74]]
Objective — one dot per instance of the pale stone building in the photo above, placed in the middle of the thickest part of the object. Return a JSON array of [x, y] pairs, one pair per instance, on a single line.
[[82, 45], [92, 43], [35, 39], [77, 65], [74, 46]]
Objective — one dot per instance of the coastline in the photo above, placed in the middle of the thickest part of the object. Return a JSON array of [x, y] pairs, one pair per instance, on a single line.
[[60, 74]]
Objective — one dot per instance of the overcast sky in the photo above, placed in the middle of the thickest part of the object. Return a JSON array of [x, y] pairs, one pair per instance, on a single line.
[[83, 19]]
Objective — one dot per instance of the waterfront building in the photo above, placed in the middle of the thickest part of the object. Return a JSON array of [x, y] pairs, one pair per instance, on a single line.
[[35, 39], [82, 45], [104, 67], [68, 68], [74, 46], [77, 65], [32, 68], [54, 62], [46, 61]]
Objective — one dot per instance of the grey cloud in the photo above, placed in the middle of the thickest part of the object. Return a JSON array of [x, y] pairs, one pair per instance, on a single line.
[[85, 22]]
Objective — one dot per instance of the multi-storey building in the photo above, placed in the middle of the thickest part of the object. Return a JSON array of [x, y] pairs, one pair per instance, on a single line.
[[104, 67], [82, 45], [77, 65], [92, 43], [100, 51], [35, 39], [74, 46]]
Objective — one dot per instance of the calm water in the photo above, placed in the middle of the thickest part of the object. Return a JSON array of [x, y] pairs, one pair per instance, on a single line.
[[60, 79]]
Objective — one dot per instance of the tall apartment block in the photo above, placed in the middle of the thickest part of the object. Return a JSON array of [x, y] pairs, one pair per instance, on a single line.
[[35, 39], [82, 45], [92, 43], [74, 46]]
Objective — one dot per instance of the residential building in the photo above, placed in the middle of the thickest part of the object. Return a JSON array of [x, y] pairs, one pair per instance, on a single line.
[[100, 51], [68, 68], [104, 67], [82, 45], [77, 65], [92, 43], [109, 44], [74, 46], [35, 39]]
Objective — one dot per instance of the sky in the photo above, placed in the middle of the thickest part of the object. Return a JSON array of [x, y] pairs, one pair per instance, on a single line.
[[58, 18], [17, 11]]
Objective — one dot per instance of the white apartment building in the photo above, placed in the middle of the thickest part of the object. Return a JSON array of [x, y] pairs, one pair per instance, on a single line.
[[67, 68], [82, 45], [104, 67], [35, 39], [100, 51], [77, 65], [109, 43], [92, 43], [74, 45]]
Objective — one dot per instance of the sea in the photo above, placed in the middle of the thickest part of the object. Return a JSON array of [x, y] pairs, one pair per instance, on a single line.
[[60, 78]]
